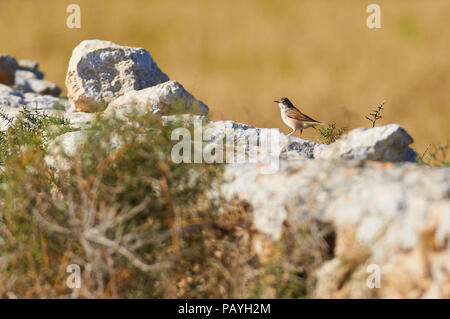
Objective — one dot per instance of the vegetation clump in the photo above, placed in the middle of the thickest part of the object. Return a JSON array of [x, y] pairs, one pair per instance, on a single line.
[[331, 133], [435, 155], [137, 224]]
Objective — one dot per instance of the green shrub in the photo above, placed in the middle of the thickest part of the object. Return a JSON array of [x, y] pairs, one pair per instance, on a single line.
[[331, 134], [31, 129]]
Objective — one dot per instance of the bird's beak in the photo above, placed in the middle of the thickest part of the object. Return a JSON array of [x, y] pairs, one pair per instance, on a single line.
[[276, 101]]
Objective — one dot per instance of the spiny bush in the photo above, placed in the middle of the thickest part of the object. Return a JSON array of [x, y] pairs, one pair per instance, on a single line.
[[331, 134], [137, 224], [31, 129]]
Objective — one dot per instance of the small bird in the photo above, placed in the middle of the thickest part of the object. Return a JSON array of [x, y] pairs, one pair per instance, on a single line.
[[293, 118]]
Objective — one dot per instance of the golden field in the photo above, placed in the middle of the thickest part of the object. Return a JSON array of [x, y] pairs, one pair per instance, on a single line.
[[238, 56]]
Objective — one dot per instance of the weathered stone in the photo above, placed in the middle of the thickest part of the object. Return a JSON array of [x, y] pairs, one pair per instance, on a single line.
[[34, 85], [29, 70], [24, 74], [10, 98], [8, 67], [284, 146], [29, 64], [44, 87], [64, 147], [79, 119], [387, 143], [45, 102], [99, 71], [396, 212], [162, 99]]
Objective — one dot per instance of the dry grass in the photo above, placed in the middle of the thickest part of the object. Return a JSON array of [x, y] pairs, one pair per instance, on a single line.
[[238, 56]]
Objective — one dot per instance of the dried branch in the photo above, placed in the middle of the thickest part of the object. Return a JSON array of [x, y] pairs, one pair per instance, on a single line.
[[94, 236], [376, 114]]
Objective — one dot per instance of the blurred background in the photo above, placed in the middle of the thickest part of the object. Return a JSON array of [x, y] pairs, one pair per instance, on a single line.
[[238, 56]]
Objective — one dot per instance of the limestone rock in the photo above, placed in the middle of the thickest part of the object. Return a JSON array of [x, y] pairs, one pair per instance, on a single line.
[[10, 98], [29, 69], [387, 143], [79, 120], [62, 146], [161, 99], [399, 213], [29, 64], [33, 85], [269, 143], [24, 74], [8, 67], [100, 71], [45, 102]]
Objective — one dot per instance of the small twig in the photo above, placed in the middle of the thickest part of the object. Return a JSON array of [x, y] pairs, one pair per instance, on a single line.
[[376, 114]]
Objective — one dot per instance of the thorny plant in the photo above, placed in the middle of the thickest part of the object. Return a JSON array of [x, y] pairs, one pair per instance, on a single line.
[[331, 134]]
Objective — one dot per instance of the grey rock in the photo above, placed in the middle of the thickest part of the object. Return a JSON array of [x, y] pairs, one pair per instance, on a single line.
[[387, 143], [161, 99], [100, 71], [8, 67]]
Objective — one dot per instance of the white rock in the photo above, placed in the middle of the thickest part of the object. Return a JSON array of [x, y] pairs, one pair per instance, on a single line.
[[99, 71], [398, 213], [10, 98], [387, 143], [64, 145], [34, 85], [266, 144], [45, 102], [161, 99], [375, 199], [24, 74], [29, 64], [79, 119], [269, 142], [29, 69]]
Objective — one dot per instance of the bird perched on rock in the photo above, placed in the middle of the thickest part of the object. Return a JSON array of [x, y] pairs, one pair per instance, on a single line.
[[293, 118]]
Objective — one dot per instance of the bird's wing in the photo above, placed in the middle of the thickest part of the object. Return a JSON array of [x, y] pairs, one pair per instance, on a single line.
[[297, 115]]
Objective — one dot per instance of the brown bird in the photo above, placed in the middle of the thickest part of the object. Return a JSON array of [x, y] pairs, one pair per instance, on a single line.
[[293, 118]]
